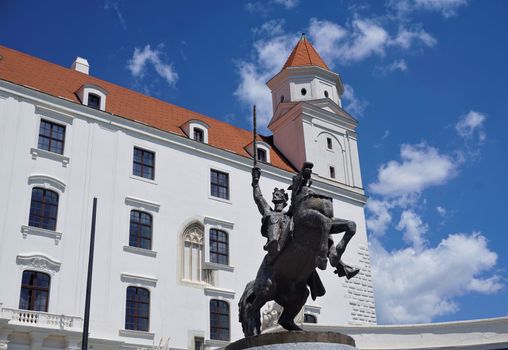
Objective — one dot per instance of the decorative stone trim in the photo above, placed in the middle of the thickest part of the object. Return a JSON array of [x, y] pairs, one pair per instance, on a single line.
[[312, 309], [218, 292], [37, 231], [54, 114], [142, 204], [140, 251], [39, 262], [215, 266], [35, 152], [218, 223], [135, 334], [216, 343], [138, 280], [47, 181]]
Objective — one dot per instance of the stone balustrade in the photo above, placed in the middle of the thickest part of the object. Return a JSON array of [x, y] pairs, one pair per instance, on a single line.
[[41, 319]]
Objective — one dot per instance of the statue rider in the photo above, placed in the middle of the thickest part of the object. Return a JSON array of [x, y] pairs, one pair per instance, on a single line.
[[275, 223]]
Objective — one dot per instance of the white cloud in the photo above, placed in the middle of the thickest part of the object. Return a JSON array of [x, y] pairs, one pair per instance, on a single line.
[[416, 286], [142, 58], [414, 229], [392, 67], [421, 166], [351, 103], [447, 8], [441, 211], [379, 217], [289, 4], [471, 124], [115, 6], [405, 38]]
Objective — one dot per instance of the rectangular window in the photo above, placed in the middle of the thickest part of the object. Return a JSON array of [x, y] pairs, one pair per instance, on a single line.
[[332, 172], [137, 309], [198, 135], [43, 209], [34, 291], [144, 163], [219, 320], [94, 101], [329, 143], [51, 137], [219, 183], [219, 247], [261, 155]]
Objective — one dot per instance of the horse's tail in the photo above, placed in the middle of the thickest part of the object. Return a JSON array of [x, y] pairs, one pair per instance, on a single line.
[[249, 324]]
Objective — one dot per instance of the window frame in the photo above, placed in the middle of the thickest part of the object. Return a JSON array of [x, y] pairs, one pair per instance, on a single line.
[[332, 172], [35, 290], [138, 234], [94, 95], [329, 143], [43, 203], [136, 318], [220, 186], [51, 139], [307, 316], [264, 153], [214, 246], [142, 164], [215, 329], [198, 131]]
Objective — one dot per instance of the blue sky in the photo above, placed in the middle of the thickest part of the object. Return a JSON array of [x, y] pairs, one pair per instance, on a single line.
[[427, 80]]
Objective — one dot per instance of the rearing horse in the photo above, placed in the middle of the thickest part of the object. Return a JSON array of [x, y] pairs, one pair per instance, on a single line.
[[285, 278]]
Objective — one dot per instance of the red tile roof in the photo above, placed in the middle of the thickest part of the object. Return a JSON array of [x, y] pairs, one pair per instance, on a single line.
[[55, 80], [304, 54]]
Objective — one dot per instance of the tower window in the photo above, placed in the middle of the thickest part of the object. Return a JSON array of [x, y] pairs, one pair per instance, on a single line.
[[198, 135], [94, 101], [308, 318], [326, 93], [332, 172], [261, 155], [304, 91], [282, 98], [329, 143]]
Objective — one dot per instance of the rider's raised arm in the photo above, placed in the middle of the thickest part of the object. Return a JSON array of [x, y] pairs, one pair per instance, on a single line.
[[263, 206]]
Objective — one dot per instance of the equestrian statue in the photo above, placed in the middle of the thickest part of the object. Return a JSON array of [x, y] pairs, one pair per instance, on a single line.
[[298, 241]]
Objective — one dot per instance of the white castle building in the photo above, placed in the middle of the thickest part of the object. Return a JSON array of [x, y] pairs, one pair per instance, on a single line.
[[177, 233]]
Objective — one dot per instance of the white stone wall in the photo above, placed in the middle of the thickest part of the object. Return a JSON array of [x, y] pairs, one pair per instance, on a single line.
[[97, 162]]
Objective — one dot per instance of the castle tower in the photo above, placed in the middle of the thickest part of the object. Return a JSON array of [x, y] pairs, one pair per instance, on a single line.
[[309, 123]]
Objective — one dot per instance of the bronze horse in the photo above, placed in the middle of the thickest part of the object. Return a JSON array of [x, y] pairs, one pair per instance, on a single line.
[[285, 278]]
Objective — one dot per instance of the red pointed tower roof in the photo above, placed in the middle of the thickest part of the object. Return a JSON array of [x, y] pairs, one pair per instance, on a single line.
[[304, 54]]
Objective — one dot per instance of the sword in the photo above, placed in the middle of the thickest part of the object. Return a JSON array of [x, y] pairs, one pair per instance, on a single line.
[[254, 134]]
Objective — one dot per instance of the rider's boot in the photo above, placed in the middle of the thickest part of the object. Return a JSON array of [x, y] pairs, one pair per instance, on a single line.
[[343, 269]]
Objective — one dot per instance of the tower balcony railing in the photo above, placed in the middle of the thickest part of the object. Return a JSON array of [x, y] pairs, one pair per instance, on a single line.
[[41, 319]]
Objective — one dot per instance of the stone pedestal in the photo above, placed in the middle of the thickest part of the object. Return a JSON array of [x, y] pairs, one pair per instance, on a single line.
[[295, 341]]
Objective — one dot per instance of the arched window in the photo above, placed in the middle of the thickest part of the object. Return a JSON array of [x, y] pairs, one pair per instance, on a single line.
[[140, 231], [219, 320], [43, 209], [137, 309], [34, 291], [199, 135], [219, 247], [308, 318], [193, 253]]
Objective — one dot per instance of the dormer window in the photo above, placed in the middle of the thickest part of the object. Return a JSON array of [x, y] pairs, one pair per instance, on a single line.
[[199, 135], [92, 95], [261, 155], [94, 101]]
